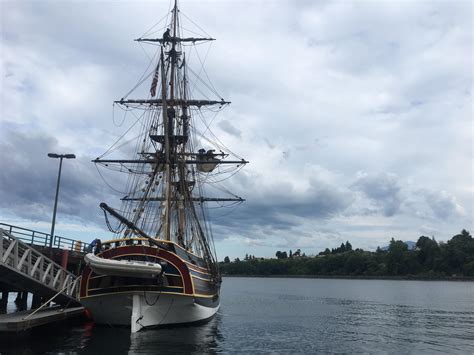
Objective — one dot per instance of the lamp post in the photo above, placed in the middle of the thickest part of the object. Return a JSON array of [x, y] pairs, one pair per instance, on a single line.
[[60, 156]]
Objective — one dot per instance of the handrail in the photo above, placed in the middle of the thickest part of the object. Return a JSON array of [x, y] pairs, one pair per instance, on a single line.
[[26, 260], [32, 237]]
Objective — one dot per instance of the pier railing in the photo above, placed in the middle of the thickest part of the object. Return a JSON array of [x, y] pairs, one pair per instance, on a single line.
[[33, 237], [28, 262]]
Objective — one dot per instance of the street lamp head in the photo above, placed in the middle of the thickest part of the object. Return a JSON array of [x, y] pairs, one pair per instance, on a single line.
[[67, 156]]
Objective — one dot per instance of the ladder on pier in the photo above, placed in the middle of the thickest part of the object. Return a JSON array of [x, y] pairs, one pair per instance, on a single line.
[[23, 267]]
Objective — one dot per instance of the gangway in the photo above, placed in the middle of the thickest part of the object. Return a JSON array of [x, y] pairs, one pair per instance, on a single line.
[[24, 267]]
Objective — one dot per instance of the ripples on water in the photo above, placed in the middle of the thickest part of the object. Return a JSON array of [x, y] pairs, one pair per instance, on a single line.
[[297, 316]]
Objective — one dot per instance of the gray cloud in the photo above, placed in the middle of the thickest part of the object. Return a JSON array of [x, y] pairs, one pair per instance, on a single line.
[[383, 189], [227, 127], [29, 182], [442, 204], [281, 206]]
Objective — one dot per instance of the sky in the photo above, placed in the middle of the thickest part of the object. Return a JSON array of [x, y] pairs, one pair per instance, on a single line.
[[356, 116]]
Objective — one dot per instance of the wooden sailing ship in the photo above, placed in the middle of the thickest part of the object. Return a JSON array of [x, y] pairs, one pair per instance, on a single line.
[[161, 267]]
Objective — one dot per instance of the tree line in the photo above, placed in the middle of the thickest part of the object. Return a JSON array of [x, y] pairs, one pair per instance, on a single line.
[[428, 259]]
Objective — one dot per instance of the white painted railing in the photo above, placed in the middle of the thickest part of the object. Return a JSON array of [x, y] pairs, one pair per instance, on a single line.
[[30, 263]]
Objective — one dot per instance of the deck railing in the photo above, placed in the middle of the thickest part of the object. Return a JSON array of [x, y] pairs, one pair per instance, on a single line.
[[29, 262], [32, 237]]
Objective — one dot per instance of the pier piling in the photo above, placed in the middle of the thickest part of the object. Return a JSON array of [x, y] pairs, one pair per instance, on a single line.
[[4, 302]]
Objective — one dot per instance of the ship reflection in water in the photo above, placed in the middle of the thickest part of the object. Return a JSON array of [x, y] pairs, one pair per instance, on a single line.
[[202, 339], [87, 338]]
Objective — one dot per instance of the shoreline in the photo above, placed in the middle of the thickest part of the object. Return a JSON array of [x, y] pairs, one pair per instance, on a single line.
[[363, 277]]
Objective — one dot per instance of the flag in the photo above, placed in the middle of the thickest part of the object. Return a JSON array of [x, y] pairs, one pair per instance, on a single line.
[[154, 83]]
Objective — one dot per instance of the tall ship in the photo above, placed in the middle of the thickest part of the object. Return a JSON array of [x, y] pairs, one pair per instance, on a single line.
[[161, 268]]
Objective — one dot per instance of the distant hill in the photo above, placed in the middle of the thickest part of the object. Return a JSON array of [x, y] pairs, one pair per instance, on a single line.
[[411, 245]]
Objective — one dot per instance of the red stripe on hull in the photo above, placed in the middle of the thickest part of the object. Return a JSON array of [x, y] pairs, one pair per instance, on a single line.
[[147, 251]]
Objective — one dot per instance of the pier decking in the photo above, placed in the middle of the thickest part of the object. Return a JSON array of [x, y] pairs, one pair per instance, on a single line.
[[21, 321]]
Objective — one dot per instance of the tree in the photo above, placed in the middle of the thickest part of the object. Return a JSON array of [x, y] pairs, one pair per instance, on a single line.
[[455, 257], [325, 252], [355, 263], [348, 246], [342, 248], [459, 251], [291, 254], [469, 269], [281, 254], [395, 257], [428, 251]]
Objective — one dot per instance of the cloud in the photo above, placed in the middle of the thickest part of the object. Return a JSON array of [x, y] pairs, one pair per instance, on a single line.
[[383, 189], [227, 127], [355, 129], [29, 182], [442, 204], [280, 206]]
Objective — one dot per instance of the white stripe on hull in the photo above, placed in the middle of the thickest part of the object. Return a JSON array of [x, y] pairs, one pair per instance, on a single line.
[[138, 310]]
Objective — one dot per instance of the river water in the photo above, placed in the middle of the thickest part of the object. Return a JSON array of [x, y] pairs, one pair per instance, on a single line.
[[278, 315]]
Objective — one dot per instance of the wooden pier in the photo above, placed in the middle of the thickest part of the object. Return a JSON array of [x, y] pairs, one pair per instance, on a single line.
[[28, 265], [22, 321]]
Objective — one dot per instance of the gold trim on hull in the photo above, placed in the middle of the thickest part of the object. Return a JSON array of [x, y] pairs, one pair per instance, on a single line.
[[160, 292]]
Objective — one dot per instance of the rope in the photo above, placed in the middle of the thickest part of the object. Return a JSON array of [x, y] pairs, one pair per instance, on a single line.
[[109, 226], [194, 23], [52, 298], [169, 307], [153, 303]]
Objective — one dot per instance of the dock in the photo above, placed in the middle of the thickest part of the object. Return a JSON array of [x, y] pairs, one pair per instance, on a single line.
[[28, 266], [25, 320]]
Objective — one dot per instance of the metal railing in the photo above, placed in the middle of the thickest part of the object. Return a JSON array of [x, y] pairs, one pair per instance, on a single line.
[[29, 262], [33, 237]]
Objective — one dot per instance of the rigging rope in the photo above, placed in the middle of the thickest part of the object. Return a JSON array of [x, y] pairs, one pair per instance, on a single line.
[[109, 226], [194, 23]]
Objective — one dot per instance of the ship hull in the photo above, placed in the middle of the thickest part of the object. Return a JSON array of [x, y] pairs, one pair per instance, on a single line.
[[139, 310], [184, 292]]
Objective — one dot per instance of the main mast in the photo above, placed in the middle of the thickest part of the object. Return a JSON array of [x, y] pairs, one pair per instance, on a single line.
[[168, 120], [166, 127]]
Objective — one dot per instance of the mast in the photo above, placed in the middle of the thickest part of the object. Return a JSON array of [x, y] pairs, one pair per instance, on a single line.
[[168, 121], [173, 55], [182, 166], [169, 127], [167, 149]]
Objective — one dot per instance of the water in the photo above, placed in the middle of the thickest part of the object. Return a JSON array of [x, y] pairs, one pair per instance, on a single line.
[[295, 315]]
